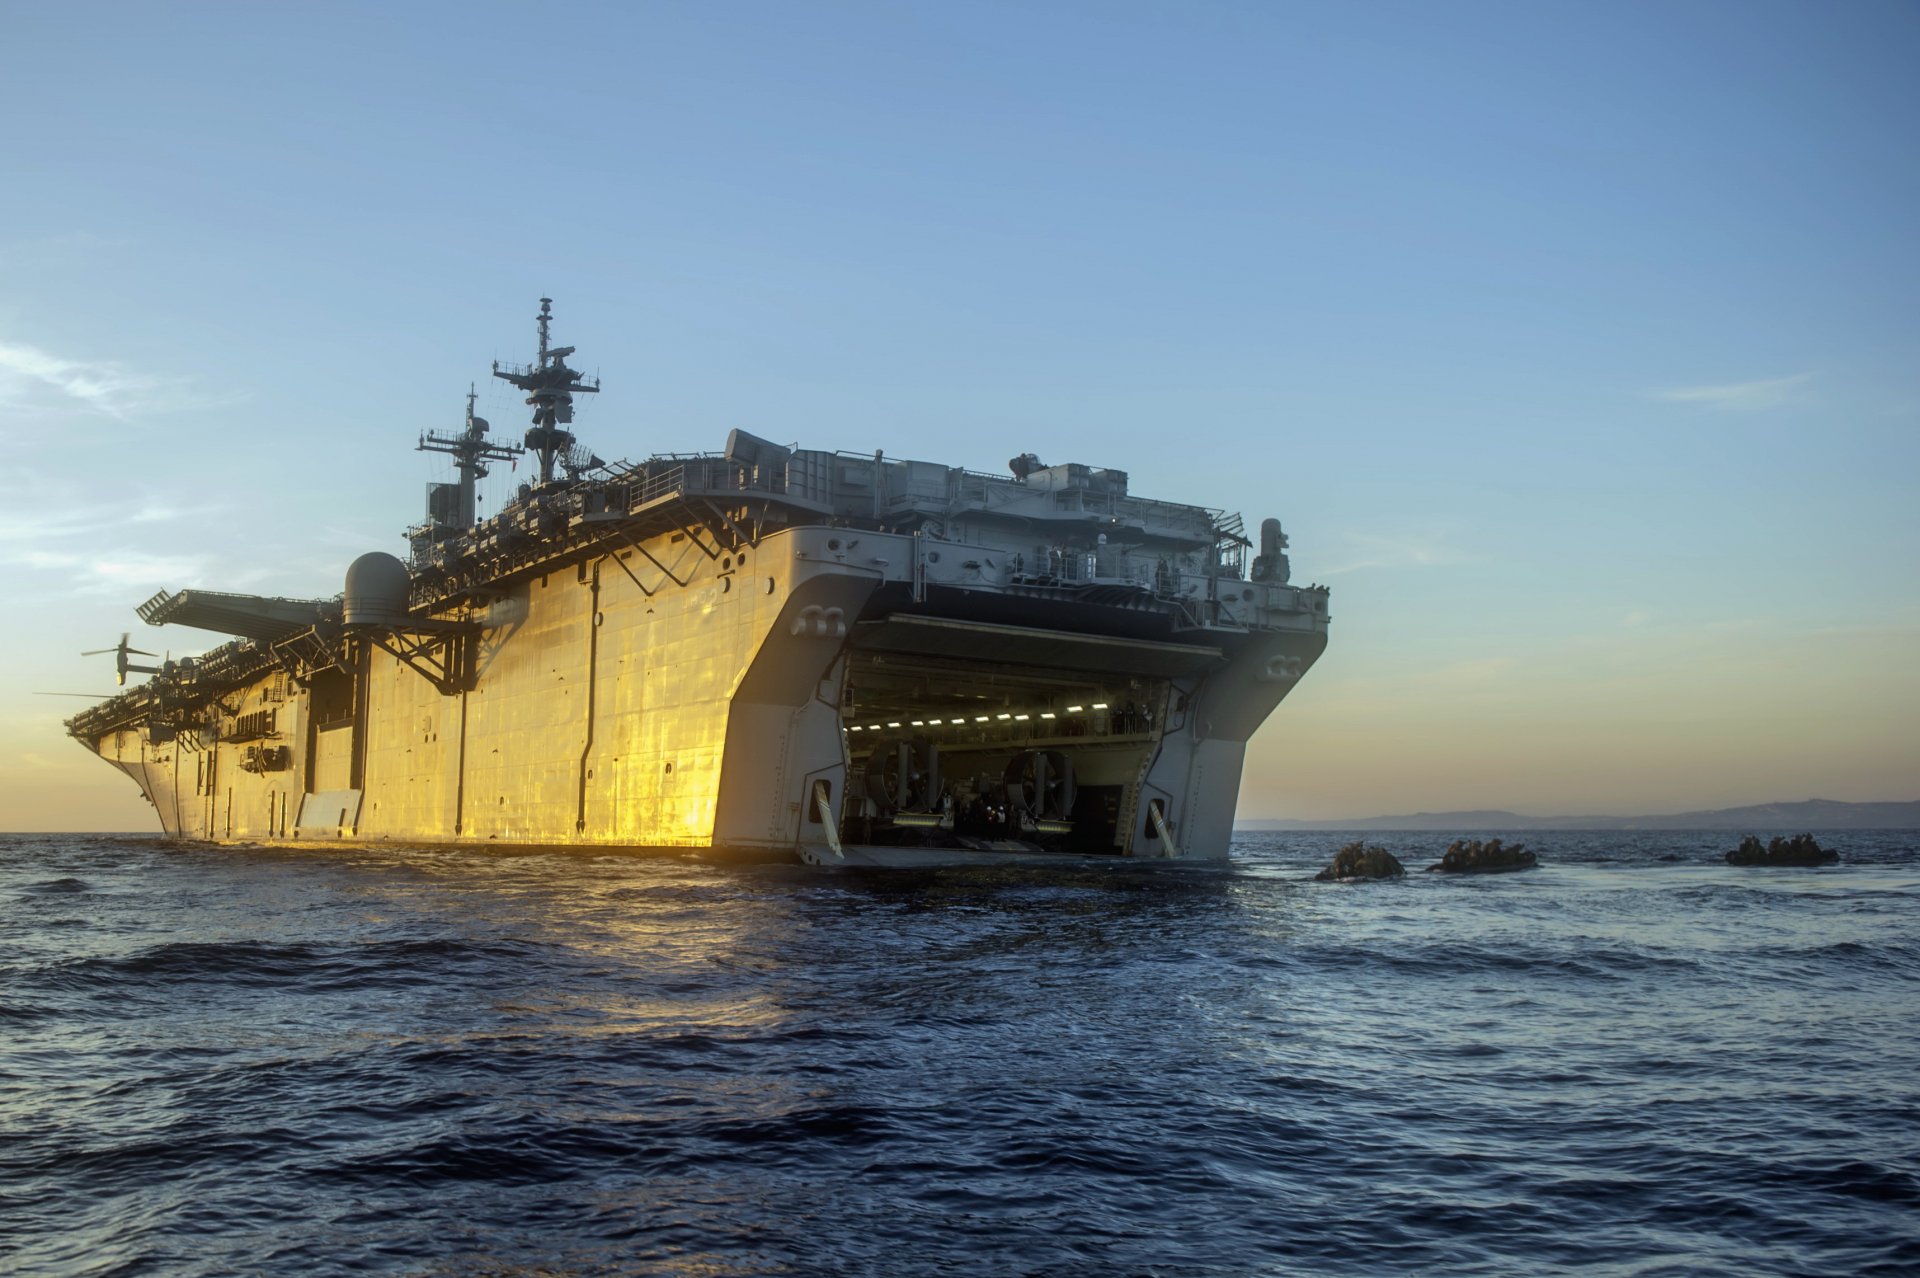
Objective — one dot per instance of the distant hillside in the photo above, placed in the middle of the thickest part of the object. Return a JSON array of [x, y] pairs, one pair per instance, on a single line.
[[1759, 818]]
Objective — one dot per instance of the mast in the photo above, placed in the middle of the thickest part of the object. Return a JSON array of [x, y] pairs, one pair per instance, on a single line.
[[471, 450], [550, 387]]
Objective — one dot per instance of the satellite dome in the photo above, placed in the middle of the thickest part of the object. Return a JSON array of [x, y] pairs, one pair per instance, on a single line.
[[377, 590]]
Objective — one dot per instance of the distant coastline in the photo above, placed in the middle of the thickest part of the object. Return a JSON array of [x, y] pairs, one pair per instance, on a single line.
[[1807, 815]]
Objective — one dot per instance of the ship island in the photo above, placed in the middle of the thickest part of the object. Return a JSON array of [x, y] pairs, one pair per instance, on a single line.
[[770, 652]]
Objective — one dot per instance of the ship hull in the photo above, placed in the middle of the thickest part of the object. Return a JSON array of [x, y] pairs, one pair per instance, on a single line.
[[676, 695]]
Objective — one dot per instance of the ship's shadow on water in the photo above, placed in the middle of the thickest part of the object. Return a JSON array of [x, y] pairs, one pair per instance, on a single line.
[[447, 1062]]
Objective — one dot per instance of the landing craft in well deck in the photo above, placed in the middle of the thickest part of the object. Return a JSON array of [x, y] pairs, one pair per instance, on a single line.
[[768, 650]]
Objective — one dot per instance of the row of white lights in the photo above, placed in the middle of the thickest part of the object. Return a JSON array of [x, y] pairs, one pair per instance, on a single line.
[[978, 718]]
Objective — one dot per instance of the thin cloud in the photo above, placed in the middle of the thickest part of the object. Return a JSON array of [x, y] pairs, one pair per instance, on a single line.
[[1370, 550], [1482, 670], [1744, 397], [56, 251], [113, 573], [100, 386], [37, 510]]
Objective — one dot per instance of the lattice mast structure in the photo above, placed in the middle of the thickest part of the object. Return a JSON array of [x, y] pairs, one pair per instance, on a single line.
[[471, 450], [550, 387]]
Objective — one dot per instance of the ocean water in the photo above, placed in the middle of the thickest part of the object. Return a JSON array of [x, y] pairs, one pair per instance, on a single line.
[[1634, 1060]]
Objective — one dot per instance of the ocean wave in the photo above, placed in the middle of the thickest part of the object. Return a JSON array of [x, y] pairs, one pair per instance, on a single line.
[[284, 966], [260, 1062], [63, 886]]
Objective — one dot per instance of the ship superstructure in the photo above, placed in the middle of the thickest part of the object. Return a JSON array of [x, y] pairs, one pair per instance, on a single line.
[[769, 650]]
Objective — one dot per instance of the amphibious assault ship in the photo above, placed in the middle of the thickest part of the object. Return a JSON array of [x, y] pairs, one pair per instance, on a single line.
[[769, 651]]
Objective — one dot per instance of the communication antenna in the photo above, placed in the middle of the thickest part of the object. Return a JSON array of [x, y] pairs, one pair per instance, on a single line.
[[580, 458], [471, 451], [550, 387]]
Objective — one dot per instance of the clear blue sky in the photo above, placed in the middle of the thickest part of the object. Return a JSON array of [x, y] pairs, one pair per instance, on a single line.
[[1574, 343]]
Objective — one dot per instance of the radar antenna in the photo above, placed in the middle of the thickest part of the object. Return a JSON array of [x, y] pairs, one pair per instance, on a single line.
[[579, 459], [550, 387], [471, 450]]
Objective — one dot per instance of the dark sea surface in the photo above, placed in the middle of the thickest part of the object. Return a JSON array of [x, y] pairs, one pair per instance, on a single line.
[[1633, 1060]]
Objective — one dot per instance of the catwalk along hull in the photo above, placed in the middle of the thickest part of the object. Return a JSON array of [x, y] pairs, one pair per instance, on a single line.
[[766, 652]]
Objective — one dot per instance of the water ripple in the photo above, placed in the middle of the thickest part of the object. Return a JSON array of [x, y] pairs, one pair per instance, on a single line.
[[1633, 1059]]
